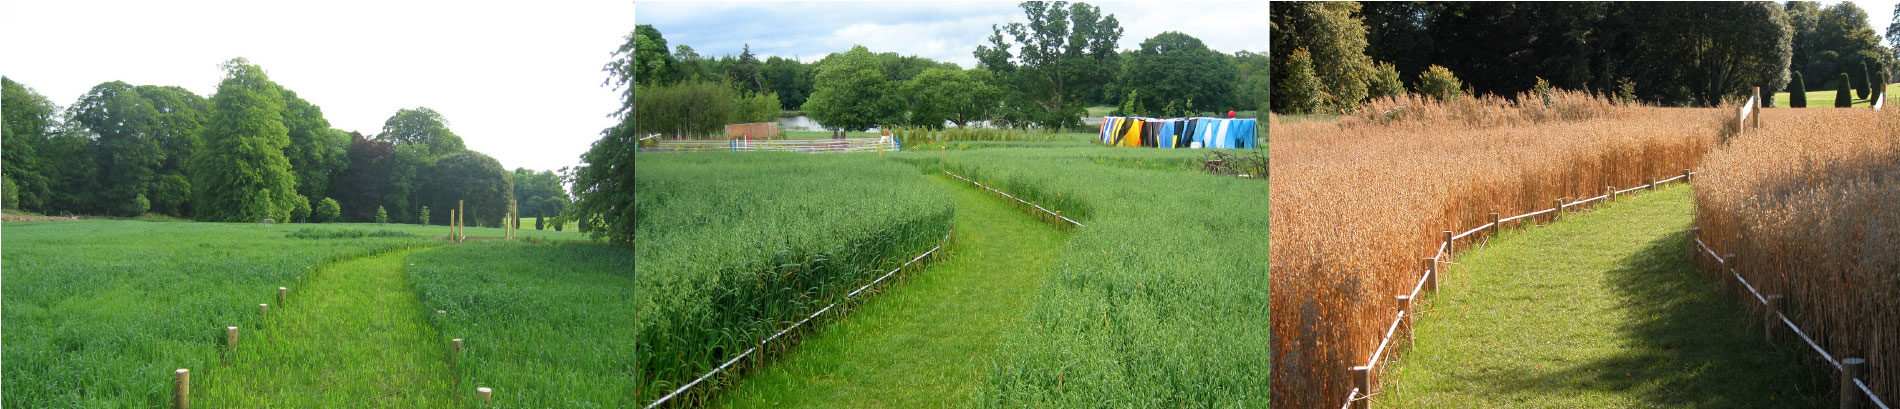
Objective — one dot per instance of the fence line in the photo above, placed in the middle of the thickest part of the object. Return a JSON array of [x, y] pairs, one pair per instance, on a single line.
[[779, 145], [1361, 394], [1026, 202], [1775, 313], [821, 311]]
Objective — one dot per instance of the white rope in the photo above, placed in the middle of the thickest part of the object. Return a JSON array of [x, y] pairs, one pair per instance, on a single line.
[[1870, 394], [1006, 194]]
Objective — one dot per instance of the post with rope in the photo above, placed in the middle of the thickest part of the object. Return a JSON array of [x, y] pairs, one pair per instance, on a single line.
[[1850, 396], [1362, 377]]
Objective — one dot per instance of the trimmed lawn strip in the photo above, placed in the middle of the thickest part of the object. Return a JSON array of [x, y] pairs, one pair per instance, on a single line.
[[929, 341], [1603, 309]]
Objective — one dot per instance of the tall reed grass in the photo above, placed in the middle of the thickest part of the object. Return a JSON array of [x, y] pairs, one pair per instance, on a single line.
[[1357, 203], [1810, 204]]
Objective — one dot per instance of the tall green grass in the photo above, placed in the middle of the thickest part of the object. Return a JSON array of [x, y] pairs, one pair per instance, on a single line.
[[1159, 301], [99, 313], [733, 247], [544, 325]]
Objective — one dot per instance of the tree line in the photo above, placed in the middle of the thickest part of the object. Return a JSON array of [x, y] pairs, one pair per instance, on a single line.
[[253, 150], [1662, 53], [1042, 74]]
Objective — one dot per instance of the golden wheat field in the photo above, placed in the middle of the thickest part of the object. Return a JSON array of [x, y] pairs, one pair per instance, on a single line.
[[1357, 203], [1810, 204]]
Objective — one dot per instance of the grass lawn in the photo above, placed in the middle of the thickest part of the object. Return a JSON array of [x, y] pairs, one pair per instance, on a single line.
[[1600, 310], [928, 340], [1825, 98], [353, 335]]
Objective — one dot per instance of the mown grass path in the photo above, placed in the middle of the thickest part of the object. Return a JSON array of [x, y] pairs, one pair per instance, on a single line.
[[1601, 310], [927, 341], [354, 336]]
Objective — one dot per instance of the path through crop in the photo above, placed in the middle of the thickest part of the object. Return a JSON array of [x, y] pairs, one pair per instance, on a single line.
[[354, 336], [927, 341], [1602, 309]]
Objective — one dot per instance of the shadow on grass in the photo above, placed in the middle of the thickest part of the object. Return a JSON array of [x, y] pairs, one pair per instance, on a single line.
[[1693, 344]]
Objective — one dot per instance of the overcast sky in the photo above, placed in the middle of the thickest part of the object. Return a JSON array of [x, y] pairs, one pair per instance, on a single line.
[[519, 81], [939, 30]]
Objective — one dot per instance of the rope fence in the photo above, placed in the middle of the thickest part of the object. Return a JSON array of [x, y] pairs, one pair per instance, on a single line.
[[875, 144], [821, 311], [1057, 214]]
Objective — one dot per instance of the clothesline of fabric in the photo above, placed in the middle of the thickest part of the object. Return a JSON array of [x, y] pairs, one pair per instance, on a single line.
[[1217, 133]]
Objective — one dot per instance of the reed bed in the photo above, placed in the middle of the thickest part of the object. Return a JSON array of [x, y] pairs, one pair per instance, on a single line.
[[1358, 203], [1810, 204]]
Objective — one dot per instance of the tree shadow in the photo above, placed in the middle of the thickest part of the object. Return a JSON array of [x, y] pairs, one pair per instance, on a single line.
[[1692, 344]]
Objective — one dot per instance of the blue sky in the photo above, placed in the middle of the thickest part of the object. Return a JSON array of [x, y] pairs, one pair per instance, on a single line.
[[939, 30]]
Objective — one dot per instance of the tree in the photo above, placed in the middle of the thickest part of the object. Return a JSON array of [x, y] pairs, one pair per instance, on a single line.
[[1864, 87], [688, 65], [362, 184], [1439, 83], [27, 120], [947, 94], [1336, 42], [316, 151], [326, 211], [180, 116], [1300, 92], [475, 181], [754, 107], [422, 127], [852, 92], [119, 121], [1843, 93], [1797, 91], [301, 212], [1064, 55], [382, 215], [790, 80], [531, 189], [650, 64], [241, 163], [1254, 76], [1175, 69], [748, 73], [694, 108], [1385, 82], [423, 217]]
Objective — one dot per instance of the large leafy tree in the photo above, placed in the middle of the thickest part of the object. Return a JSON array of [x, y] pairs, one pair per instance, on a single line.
[[1179, 74], [1253, 79], [651, 64], [1336, 41], [421, 127], [852, 92], [180, 116], [1055, 63], [532, 189], [316, 151], [475, 181], [603, 185], [1719, 49], [363, 183], [746, 72], [240, 172], [128, 157], [789, 78], [27, 120], [958, 96]]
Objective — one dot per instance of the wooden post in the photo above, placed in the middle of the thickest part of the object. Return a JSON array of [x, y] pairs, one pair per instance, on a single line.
[[1362, 378], [1685, 175], [1496, 226], [1768, 317], [461, 214], [281, 293], [1431, 273], [1695, 235], [487, 394], [456, 348], [1405, 304], [1728, 271], [451, 224], [263, 309], [1556, 209], [230, 338], [1652, 184], [1612, 190], [182, 398], [1850, 396], [1756, 107], [1448, 248]]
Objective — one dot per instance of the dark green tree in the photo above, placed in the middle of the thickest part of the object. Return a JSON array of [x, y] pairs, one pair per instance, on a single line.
[[180, 116], [790, 79], [1336, 42], [120, 122], [475, 181], [1797, 91], [1061, 58], [1175, 69], [421, 127], [532, 188], [747, 73], [27, 121], [363, 183], [954, 95], [326, 211], [316, 151], [688, 65], [1865, 86], [1843, 93], [852, 92], [603, 185], [1300, 91], [240, 166], [651, 65]]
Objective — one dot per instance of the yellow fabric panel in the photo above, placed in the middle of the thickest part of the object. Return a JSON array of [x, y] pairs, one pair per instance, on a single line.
[[1134, 134]]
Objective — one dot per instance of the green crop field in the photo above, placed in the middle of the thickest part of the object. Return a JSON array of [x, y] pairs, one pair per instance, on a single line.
[[735, 246]]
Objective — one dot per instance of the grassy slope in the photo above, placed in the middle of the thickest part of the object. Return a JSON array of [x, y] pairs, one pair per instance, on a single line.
[[1825, 98], [929, 341], [1603, 310], [353, 336]]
